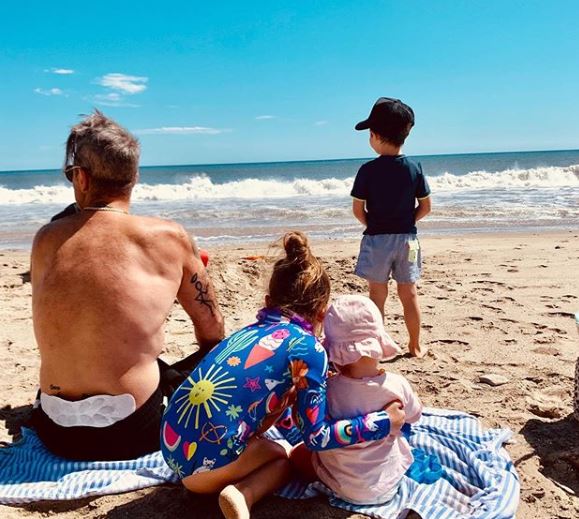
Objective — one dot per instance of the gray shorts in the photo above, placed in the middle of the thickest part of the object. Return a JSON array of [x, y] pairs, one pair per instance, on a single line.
[[383, 255]]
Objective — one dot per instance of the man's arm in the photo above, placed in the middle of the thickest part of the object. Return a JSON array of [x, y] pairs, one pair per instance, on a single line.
[[359, 210], [424, 207], [197, 296]]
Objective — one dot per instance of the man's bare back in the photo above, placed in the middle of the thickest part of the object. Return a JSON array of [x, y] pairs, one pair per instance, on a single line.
[[103, 284]]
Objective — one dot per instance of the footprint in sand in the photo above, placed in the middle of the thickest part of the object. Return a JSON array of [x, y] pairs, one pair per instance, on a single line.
[[547, 350], [539, 326], [494, 308], [558, 330], [512, 270], [450, 341]]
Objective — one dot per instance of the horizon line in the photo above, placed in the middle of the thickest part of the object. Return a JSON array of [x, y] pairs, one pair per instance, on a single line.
[[312, 160]]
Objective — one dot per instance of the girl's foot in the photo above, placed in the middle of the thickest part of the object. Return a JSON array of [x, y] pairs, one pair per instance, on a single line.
[[233, 504]]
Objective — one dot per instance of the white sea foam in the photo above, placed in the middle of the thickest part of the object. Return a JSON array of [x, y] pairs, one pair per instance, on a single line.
[[545, 177], [201, 187]]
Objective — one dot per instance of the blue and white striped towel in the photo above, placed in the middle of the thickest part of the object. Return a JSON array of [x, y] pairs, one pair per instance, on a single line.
[[29, 472], [480, 480]]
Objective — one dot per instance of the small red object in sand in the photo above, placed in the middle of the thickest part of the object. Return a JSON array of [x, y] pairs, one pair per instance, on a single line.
[[253, 258], [204, 255]]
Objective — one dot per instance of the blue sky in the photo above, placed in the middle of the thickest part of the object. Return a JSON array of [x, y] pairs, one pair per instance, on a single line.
[[216, 82]]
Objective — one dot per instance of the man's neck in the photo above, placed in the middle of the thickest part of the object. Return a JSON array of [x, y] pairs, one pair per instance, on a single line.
[[100, 201]]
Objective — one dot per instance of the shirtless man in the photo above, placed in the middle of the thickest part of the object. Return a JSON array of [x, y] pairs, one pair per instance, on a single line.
[[103, 283]]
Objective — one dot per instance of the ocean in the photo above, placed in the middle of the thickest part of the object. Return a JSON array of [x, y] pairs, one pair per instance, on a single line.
[[238, 203]]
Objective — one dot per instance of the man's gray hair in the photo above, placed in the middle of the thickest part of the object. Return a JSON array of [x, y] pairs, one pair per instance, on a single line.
[[108, 152]]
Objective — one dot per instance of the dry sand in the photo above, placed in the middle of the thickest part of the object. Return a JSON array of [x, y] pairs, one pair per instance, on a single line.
[[492, 304]]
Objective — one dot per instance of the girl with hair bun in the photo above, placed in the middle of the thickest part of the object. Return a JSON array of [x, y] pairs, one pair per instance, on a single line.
[[211, 430]]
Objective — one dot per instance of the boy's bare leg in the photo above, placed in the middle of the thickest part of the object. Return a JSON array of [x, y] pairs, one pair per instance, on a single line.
[[378, 294], [236, 500], [409, 298]]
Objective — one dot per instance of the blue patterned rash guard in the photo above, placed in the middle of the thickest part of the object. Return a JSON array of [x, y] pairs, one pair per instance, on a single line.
[[244, 382]]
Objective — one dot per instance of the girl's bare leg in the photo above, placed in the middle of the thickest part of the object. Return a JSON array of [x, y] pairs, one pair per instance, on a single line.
[[236, 500], [259, 452], [301, 461]]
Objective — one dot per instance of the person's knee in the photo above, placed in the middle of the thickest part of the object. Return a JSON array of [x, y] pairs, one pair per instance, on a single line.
[[273, 450], [407, 291], [205, 483]]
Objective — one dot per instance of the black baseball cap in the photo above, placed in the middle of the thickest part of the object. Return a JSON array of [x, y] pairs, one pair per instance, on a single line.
[[388, 116]]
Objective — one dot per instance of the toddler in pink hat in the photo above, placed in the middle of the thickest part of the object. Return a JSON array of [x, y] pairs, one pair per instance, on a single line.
[[366, 473]]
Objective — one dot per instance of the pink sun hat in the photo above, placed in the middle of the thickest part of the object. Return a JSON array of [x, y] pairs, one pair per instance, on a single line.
[[354, 328]]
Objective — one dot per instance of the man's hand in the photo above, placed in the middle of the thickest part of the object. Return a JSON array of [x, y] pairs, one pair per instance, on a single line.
[[397, 416]]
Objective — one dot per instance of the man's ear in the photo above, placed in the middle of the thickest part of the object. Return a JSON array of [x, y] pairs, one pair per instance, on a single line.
[[83, 180]]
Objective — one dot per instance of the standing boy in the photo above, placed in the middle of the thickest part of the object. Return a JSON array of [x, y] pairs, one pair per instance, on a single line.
[[390, 195]]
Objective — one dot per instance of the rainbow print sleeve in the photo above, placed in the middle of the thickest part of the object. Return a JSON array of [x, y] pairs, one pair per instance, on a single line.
[[309, 366]]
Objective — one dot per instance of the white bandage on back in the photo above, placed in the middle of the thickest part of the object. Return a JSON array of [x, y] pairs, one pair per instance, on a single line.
[[94, 411]]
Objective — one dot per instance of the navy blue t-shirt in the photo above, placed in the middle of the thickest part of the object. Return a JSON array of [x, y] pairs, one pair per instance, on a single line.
[[390, 186]]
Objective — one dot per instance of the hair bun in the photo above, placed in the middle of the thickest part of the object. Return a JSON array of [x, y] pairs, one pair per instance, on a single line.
[[296, 246]]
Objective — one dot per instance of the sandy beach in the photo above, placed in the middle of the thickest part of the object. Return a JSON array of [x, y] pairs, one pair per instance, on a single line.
[[493, 304]]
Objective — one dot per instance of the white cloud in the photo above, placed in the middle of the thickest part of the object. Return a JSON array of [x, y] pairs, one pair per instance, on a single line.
[[49, 91], [180, 130], [60, 71], [320, 123], [124, 83], [265, 117]]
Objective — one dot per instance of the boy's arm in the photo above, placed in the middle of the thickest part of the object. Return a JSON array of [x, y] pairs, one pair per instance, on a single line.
[[424, 207], [359, 210]]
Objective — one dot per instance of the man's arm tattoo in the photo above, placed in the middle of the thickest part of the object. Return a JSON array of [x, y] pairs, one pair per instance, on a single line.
[[202, 291]]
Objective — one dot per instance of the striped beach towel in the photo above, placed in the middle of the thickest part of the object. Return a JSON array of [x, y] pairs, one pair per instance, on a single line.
[[29, 472], [479, 479]]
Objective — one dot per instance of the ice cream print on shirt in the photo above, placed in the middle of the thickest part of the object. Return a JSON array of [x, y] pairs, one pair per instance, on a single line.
[[247, 378]]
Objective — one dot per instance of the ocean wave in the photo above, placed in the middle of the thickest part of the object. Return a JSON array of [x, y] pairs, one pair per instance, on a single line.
[[545, 177], [201, 187]]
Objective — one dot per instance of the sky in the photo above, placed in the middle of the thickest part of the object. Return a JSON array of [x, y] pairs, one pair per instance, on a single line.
[[257, 81]]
